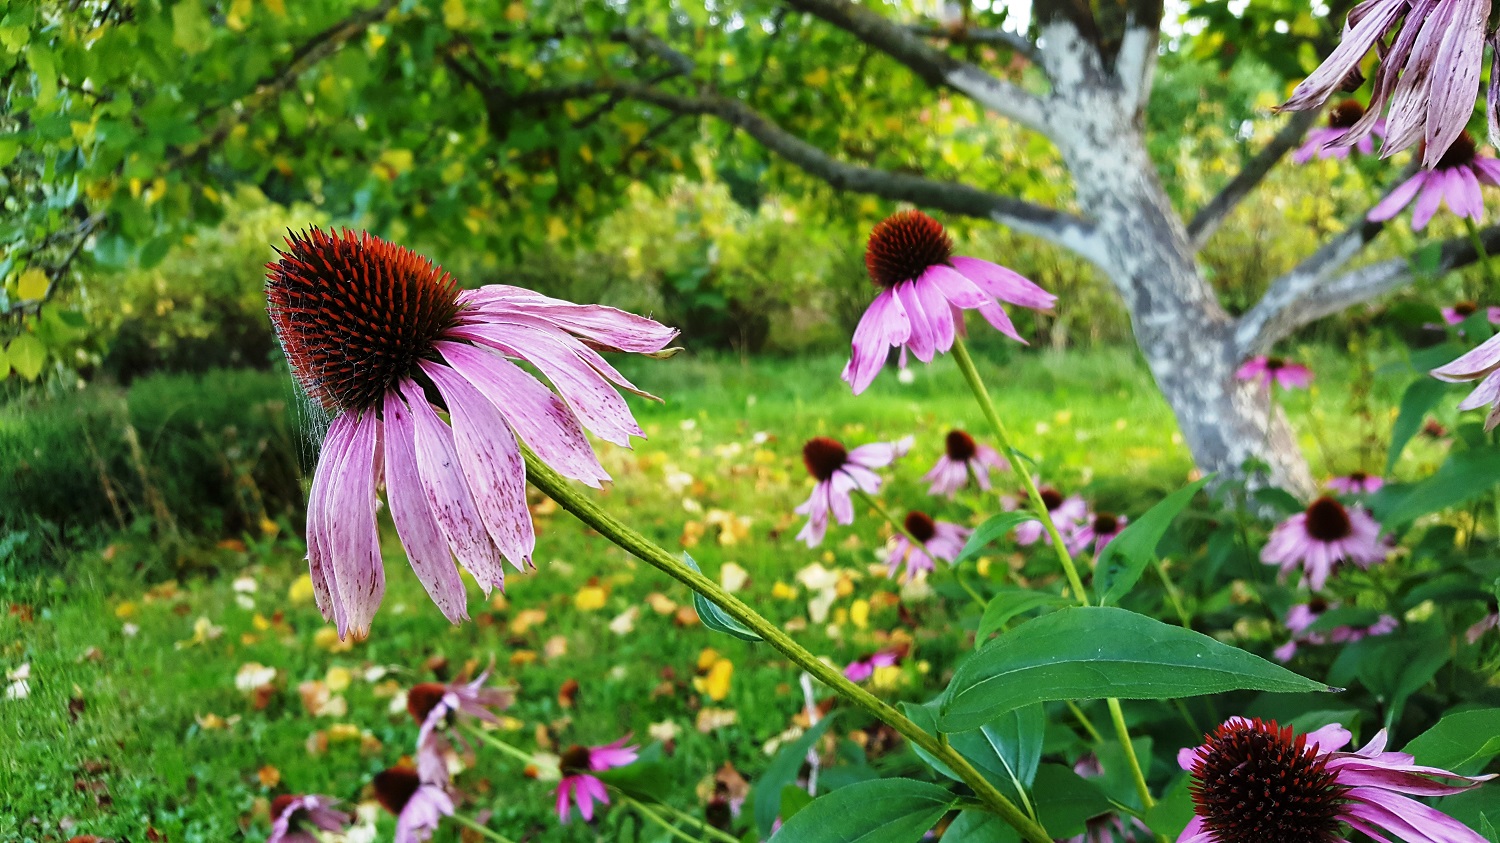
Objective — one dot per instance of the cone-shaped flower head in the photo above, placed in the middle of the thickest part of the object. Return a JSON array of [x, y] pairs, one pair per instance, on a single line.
[[578, 764], [935, 540], [963, 457], [384, 340], [1326, 534], [1428, 75], [924, 290], [1454, 181], [418, 804], [1068, 513], [1481, 364], [1275, 371], [1356, 483], [1256, 782], [1324, 141], [1303, 615], [292, 817], [1097, 529], [838, 472], [435, 705]]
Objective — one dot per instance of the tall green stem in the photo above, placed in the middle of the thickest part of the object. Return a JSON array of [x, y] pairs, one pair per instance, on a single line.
[[1484, 255], [483, 830], [971, 374], [987, 406], [555, 486]]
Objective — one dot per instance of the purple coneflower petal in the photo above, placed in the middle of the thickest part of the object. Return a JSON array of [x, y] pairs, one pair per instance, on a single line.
[[940, 312], [1004, 284], [957, 288], [922, 340], [426, 548], [319, 563], [1397, 199], [603, 326], [1429, 199], [1455, 70], [354, 542], [883, 325], [1370, 20]]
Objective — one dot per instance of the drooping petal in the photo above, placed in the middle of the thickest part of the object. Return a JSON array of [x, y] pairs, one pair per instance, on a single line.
[[1373, 18], [491, 463], [1478, 362], [603, 326], [940, 314], [426, 548], [1455, 74], [883, 325], [1005, 284], [955, 287], [354, 541], [532, 410], [1000, 321], [1428, 201], [1397, 199], [922, 340], [319, 563]]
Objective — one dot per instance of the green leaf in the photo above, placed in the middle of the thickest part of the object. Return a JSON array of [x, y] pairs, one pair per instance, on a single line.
[[981, 827], [191, 28], [1174, 810], [880, 811], [1102, 651], [1119, 567], [1463, 742], [1007, 604], [1006, 750], [1416, 403], [1066, 801], [1465, 475], [154, 251], [992, 529], [781, 772], [716, 618], [26, 356]]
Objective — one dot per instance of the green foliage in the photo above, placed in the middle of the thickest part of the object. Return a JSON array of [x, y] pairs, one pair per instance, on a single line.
[[882, 811]]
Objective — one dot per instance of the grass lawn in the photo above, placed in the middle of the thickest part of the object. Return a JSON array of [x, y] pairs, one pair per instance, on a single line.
[[132, 718]]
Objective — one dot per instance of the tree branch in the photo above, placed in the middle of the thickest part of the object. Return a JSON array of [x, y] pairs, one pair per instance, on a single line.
[[932, 65], [80, 234], [1211, 216], [964, 34]]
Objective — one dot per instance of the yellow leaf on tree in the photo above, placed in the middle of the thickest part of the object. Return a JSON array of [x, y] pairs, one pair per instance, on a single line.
[[239, 12], [33, 284], [515, 12], [277, 7], [556, 229], [454, 14], [397, 161], [817, 79]]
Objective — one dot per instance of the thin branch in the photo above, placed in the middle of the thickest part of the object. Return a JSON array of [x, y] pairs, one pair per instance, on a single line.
[[965, 34], [1211, 216], [932, 65], [80, 234]]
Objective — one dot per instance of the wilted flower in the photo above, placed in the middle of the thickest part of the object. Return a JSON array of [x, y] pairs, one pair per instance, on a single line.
[[1356, 483], [1322, 536], [383, 340], [292, 816], [1323, 142], [1275, 371], [924, 290], [939, 540], [962, 456], [1481, 364], [1098, 529], [1455, 181], [418, 804], [433, 705], [839, 472], [1256, 781], [1429, 70], [1303, 615], [1067, 513], [578, 765], [861, 669]]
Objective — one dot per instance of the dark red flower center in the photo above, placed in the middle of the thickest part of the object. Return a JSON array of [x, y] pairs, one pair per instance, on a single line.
[[1051, 497], [395, 787], [1275, 363], [575, 760], [1359, 476], [1466, 308], [1105, 524], [823, 457], [1317, 605], [1327, 520], [904, 245], [355, 313], [921, 526], [960, 446], [1257, 783], [279, 806], [1345, 114], [423, 698], [1460, 154]]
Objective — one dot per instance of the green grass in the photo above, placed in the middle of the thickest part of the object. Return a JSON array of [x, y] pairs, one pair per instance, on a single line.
[[132, 750]]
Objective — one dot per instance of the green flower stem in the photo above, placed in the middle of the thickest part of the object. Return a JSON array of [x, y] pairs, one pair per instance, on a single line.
[[649, 813], [971, 374], [519, 754], [487, 832], [886, 514], [982, 395], [1484, 255], [1083, 720], [555, 486], [1173, 594]]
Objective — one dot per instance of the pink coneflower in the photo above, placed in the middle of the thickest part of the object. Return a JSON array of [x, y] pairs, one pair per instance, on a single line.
[[1323, 142], [938, 540], [1256, 782], [1460, 312], [1303, 615], [434, 705], [1481, 364], [1356, 483], [1275, 371], [418, 804], [292, 816], [383, 340], [924, 290], [962, 456], [1322, 536], [1098, 529], [1454, 181], [839, 472], [1429, 70], [1067, 514], [861, 669], [577, 765]]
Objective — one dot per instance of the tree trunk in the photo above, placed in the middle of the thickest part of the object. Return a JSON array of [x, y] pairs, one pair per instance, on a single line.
[[1184, 333]]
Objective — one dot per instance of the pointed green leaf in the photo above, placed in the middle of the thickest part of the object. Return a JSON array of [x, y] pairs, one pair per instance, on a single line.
[[880, 811], [716, 618], [990, 530], [1119, 567], [1007, 604]]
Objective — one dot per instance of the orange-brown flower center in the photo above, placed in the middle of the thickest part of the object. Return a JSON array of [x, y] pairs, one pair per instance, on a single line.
[[904, 245], [823, 457], [423, 698], [1257, 783], [575, 760], [1466, 308], [1345, 114], [960, 446], [1460, 154], [395, 787]]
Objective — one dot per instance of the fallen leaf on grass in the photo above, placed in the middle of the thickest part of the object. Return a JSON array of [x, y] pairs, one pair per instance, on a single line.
[[525, 620], [661, 603], [253, 675], [327, 638], [18, 685], [624, 623], [711, 719], [269, 776], [589, 599], [204, 631]]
